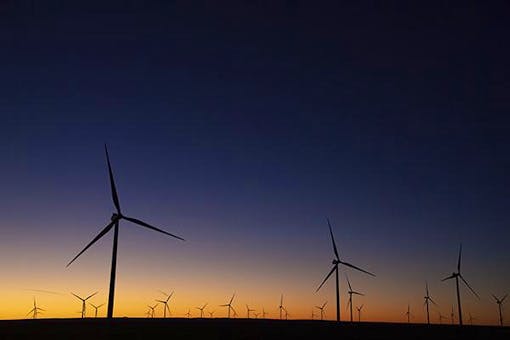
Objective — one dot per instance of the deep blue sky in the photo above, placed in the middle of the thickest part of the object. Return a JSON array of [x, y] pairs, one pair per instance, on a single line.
[[261, 118]]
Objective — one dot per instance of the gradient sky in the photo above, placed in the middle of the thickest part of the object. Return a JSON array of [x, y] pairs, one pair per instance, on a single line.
[[241, 127]]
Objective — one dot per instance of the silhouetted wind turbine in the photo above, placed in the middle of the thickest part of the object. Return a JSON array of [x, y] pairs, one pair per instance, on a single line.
[[83, 303], [211, 314], [280, 307], [408, 313], [263, 313], [115, 219], [456, 277], [452, 316], [229, 305], [428, 298], [165, 303], [441, 318], [500, 302], [359, 312], [152, 309], [351, 292], [321, 308], [96, 308], [256, 315], [189, 313], [201, 309], [336, 262], [248, 310], [35, 311]]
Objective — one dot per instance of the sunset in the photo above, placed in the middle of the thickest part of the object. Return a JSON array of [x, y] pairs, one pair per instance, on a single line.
[[247, 154]]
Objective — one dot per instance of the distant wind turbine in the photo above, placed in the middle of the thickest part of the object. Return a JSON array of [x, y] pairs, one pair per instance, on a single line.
[[152, 309], [452, 316], [351, 292], [248, 310], [336, 262], [35, 311], [500, 302], [211, 314], [165, 303], [321, 308], [188, 314], [456, 276], [96, 308], [229, 305], [115, 219], [201, 309], [359, 312], [428, 298], [264, 313], [441, 318], [280, 307], [408, 313], [256, 315], [83, 303]]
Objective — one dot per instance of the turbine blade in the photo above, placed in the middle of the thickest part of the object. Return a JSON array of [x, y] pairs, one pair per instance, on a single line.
[[146, 225], [504, 297], [91, 295], [101, 234], [495, 298], [324, 305], [357, 293], [448, 278], [327, 277], [467, 284], [30, 312], [232, 299], [357, 268], [115, 198], [458, 262], [348, 282], [77, 296], [205, 305], [435, 304], [333, 241]]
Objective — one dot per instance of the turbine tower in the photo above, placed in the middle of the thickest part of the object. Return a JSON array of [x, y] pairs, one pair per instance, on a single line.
[[500, 302], [428, 298], [83, 303], [229, 306], [321, 308], [351, 292], [456, 276], [115, 219], [336, 262]]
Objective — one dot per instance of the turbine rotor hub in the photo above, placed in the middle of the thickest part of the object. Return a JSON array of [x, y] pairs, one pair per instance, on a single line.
[[115, 217]]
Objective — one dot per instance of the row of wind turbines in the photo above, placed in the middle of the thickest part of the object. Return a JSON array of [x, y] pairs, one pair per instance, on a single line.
[[119, 216]]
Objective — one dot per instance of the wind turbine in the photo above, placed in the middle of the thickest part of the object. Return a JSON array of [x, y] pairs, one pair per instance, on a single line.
[[83, 303], [351, 292], [452, 316], [211, 314], [500, 302], [248, 310], [256, 315], [96, 308], [201, 309], [115, 219], [35, 311], [428, 298], [280, 307], [336, 262], [359, 312], [189, 313], [321, 308], [229, 305], [408, 313], [165, 303], [471, 318], [263, 313], [456, 277], [441, 318], [152, 309]]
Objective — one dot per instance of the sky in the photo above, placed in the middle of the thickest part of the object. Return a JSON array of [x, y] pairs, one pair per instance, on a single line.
[[241, 126]]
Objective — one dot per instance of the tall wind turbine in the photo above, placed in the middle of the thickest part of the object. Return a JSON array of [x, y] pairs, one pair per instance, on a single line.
[[248, 310], [229, 305], [359, 312], [336, 262], [165, 303], [428, 298], [35, 311], [408, 313], [500, 302], [115, 219], [321, 308], [152, 309], [83, 303], [280, 307], [96, 308], [351, 292], [456, 276], [201, 309]]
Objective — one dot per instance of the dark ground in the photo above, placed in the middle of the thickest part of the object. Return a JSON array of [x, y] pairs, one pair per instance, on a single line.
[[209, 329]]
